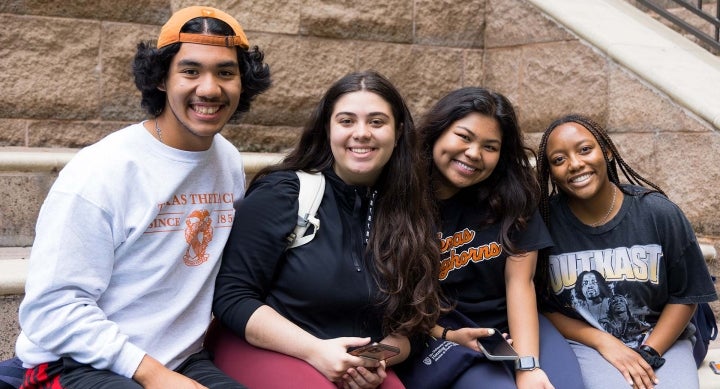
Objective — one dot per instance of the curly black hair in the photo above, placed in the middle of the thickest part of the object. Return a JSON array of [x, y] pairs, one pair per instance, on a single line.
[[151, 66]]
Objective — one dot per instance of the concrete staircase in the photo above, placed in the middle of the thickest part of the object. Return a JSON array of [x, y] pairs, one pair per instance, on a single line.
[[42, 166], [13, 270], [20, 166]]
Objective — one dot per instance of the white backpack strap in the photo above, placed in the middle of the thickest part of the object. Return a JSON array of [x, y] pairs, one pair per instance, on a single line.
[[312, 188]]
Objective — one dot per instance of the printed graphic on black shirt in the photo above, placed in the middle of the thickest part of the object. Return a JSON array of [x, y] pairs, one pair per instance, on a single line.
[[458, 260], [599, 285]]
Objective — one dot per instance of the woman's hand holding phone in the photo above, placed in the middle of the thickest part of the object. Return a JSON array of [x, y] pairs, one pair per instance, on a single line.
[[363, 376], [467, 336], [376, 351], [331, 359], [496, 347]]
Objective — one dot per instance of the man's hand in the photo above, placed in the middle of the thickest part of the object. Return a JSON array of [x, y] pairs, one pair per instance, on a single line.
[[152, 374]]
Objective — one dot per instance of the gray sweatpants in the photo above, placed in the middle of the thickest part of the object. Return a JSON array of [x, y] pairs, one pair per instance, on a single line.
[[679, 370]]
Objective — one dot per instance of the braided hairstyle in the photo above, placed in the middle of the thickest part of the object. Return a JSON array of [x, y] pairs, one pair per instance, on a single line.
[[612, 163]]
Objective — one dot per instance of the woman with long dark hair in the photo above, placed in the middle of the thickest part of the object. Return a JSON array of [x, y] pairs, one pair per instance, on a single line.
[[368, 274], [490, 234]]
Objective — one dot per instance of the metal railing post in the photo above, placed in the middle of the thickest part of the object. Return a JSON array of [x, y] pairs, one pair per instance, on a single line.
[[714, 20]]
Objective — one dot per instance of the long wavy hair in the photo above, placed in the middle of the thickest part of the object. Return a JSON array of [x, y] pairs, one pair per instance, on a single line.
[[151, 66], [613, 162], [403, 246], [511, 191]]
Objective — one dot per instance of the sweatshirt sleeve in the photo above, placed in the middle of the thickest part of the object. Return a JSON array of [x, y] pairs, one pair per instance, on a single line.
[[257, 242], [70, 267]]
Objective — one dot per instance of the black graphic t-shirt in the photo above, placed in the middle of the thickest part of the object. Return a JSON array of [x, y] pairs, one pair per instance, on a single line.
[[618, 277], [472, 267]]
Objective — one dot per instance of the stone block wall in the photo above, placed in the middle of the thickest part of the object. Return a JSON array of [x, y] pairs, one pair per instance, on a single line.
[[67, 82]]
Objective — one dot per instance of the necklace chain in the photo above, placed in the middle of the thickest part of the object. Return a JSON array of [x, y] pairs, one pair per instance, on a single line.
[[612, 206], [158, 131]]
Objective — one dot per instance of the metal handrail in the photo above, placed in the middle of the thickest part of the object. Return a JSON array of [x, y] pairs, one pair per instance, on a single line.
[[696, 9]]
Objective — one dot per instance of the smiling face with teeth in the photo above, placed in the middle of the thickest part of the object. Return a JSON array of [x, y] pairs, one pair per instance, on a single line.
[[203, 91], [577, 164], [466, 153], [362, 137]]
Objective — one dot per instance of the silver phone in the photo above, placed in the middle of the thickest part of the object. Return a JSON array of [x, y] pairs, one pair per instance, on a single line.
[[496, 348]]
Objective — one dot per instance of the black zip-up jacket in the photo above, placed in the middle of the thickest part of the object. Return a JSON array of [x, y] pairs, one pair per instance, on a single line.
[[325, 286]]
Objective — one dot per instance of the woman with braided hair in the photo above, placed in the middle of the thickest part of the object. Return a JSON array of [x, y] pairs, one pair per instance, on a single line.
[[638, 240]]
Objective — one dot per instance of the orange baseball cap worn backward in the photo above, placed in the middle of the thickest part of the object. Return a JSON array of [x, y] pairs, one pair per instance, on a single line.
[[170, 32]]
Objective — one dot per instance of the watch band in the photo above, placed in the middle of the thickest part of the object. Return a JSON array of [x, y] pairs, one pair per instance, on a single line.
[[527, 363], [444, 333], [651, 356]]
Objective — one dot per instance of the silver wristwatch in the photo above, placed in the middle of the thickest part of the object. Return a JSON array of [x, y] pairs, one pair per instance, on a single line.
[[527, 363]]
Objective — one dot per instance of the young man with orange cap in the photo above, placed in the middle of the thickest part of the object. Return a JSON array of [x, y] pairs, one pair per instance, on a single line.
[[129, 239]]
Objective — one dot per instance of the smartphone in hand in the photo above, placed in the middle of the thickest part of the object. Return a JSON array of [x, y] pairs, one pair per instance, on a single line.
[[496, 348], [377, 351]]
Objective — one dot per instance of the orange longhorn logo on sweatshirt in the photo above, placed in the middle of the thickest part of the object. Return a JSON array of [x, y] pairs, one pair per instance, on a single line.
[[198, 234]]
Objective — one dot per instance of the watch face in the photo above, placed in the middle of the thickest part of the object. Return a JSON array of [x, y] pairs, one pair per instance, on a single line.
[[526, 363]]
